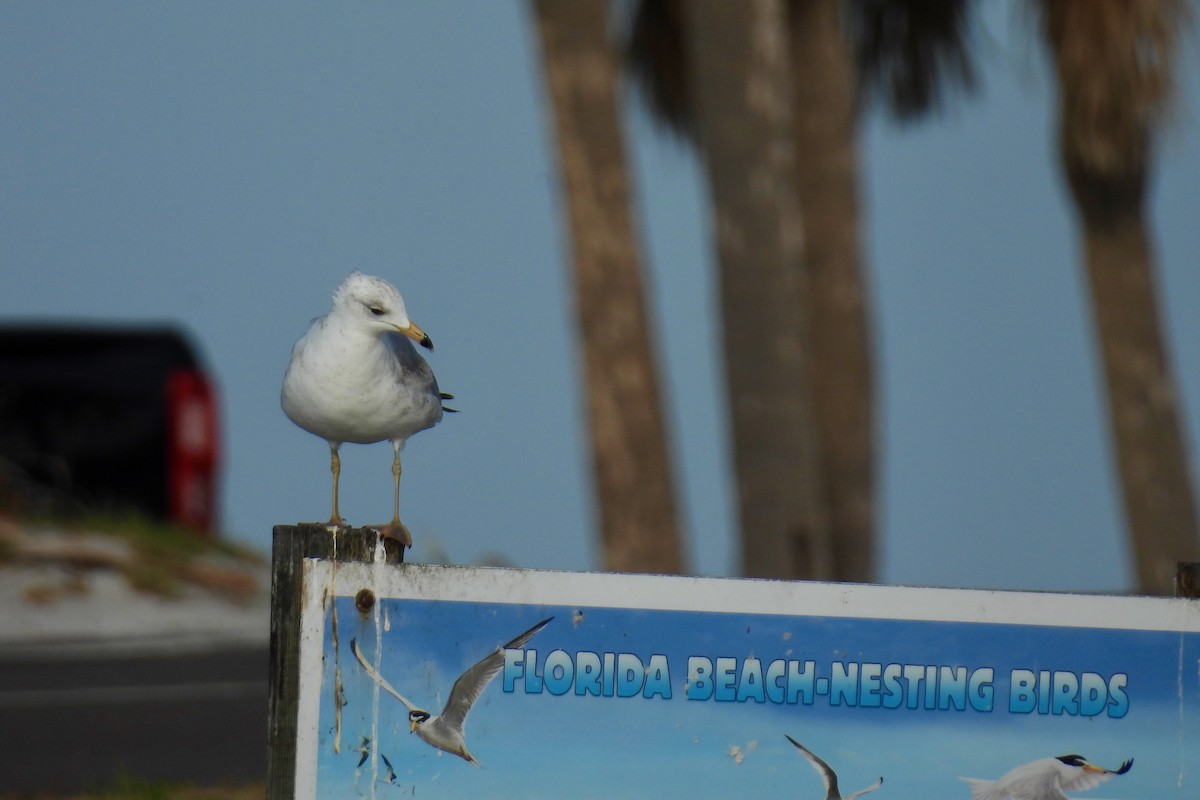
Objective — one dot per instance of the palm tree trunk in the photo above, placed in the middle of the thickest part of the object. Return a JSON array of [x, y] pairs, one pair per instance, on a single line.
[[738, 59], [826, 145], [629, 442], [1152, 461], [1114, 60]]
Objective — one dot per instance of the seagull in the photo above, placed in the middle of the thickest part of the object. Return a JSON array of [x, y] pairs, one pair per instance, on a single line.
[[828, 775], [445, 731], [1045, 779], [356, 377]]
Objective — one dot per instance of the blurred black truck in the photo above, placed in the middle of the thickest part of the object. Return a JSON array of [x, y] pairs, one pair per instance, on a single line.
[[109, 420]]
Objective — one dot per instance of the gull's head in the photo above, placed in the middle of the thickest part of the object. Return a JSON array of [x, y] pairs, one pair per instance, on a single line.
[[376, 304]]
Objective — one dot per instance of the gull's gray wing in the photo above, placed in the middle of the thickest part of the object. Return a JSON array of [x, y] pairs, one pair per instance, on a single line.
[[411, 362]]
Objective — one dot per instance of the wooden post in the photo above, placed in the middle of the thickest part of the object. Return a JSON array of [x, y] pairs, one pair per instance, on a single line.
[[1187, 579], [291, 545]]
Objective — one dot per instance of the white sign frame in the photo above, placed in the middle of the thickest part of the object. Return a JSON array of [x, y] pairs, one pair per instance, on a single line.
[[323, 673]]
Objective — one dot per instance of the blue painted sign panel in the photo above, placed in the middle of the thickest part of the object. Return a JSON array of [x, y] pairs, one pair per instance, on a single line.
[[484, 683]]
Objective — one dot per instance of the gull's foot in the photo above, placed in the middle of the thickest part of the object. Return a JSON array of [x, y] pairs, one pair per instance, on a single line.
[[337, 522], [396, 530]]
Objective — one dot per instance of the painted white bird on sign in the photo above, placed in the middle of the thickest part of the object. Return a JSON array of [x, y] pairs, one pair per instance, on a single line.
[[1045, 779], [828, 775], [445, 731]]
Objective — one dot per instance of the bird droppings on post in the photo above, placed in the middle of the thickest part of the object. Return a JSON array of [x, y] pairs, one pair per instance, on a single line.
[[293, 544]]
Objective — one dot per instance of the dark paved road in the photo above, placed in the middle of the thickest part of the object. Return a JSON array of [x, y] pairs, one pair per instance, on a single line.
[[76, 722]]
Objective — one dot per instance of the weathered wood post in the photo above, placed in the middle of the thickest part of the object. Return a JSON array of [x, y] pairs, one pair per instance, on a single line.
[[1187, 579], [291, 545]]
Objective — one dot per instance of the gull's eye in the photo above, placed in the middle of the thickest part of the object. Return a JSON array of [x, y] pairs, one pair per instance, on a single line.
[[376, 310]]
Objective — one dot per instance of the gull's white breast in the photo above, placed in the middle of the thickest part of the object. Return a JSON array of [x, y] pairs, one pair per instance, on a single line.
[[348, 385]]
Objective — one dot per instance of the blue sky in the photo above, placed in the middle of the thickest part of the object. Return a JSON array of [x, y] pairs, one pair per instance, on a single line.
[[223, 167], [539, 745]]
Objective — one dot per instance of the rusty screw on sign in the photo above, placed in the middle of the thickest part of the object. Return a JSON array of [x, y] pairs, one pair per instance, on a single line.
[[365, 600]]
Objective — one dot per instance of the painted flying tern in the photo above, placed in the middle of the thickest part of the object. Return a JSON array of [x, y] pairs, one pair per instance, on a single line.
[[828, 775], [1045, 779], [364, 747], [391, 773], [445, 731]]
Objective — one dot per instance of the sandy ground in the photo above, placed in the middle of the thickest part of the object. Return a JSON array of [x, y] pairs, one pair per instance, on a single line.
[[85, 600]]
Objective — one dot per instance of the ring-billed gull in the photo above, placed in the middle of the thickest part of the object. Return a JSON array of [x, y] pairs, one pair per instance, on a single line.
[[356, 377]]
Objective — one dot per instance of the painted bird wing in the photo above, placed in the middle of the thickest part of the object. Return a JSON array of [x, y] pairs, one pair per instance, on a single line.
[[1031, 785], [1037, 793], [1083, 779], [471, 683], [824, 770], [980, 789], [870, 788], [375, 676]]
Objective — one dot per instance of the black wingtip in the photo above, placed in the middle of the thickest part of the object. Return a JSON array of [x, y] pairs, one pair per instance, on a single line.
[[537, 627], [519, 640], [1124, 767]]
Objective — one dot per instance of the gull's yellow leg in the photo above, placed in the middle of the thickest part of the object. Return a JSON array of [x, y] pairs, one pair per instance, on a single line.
[[396, 529], [335, 466]]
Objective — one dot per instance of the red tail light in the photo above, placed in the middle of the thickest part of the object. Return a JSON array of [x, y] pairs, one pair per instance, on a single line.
[[192, 450]]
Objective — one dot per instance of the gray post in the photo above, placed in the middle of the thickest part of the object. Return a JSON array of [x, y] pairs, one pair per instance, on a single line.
[[291, 545]]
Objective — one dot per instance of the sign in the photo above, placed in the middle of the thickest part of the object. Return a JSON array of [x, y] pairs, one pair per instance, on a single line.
[[628, 686]]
